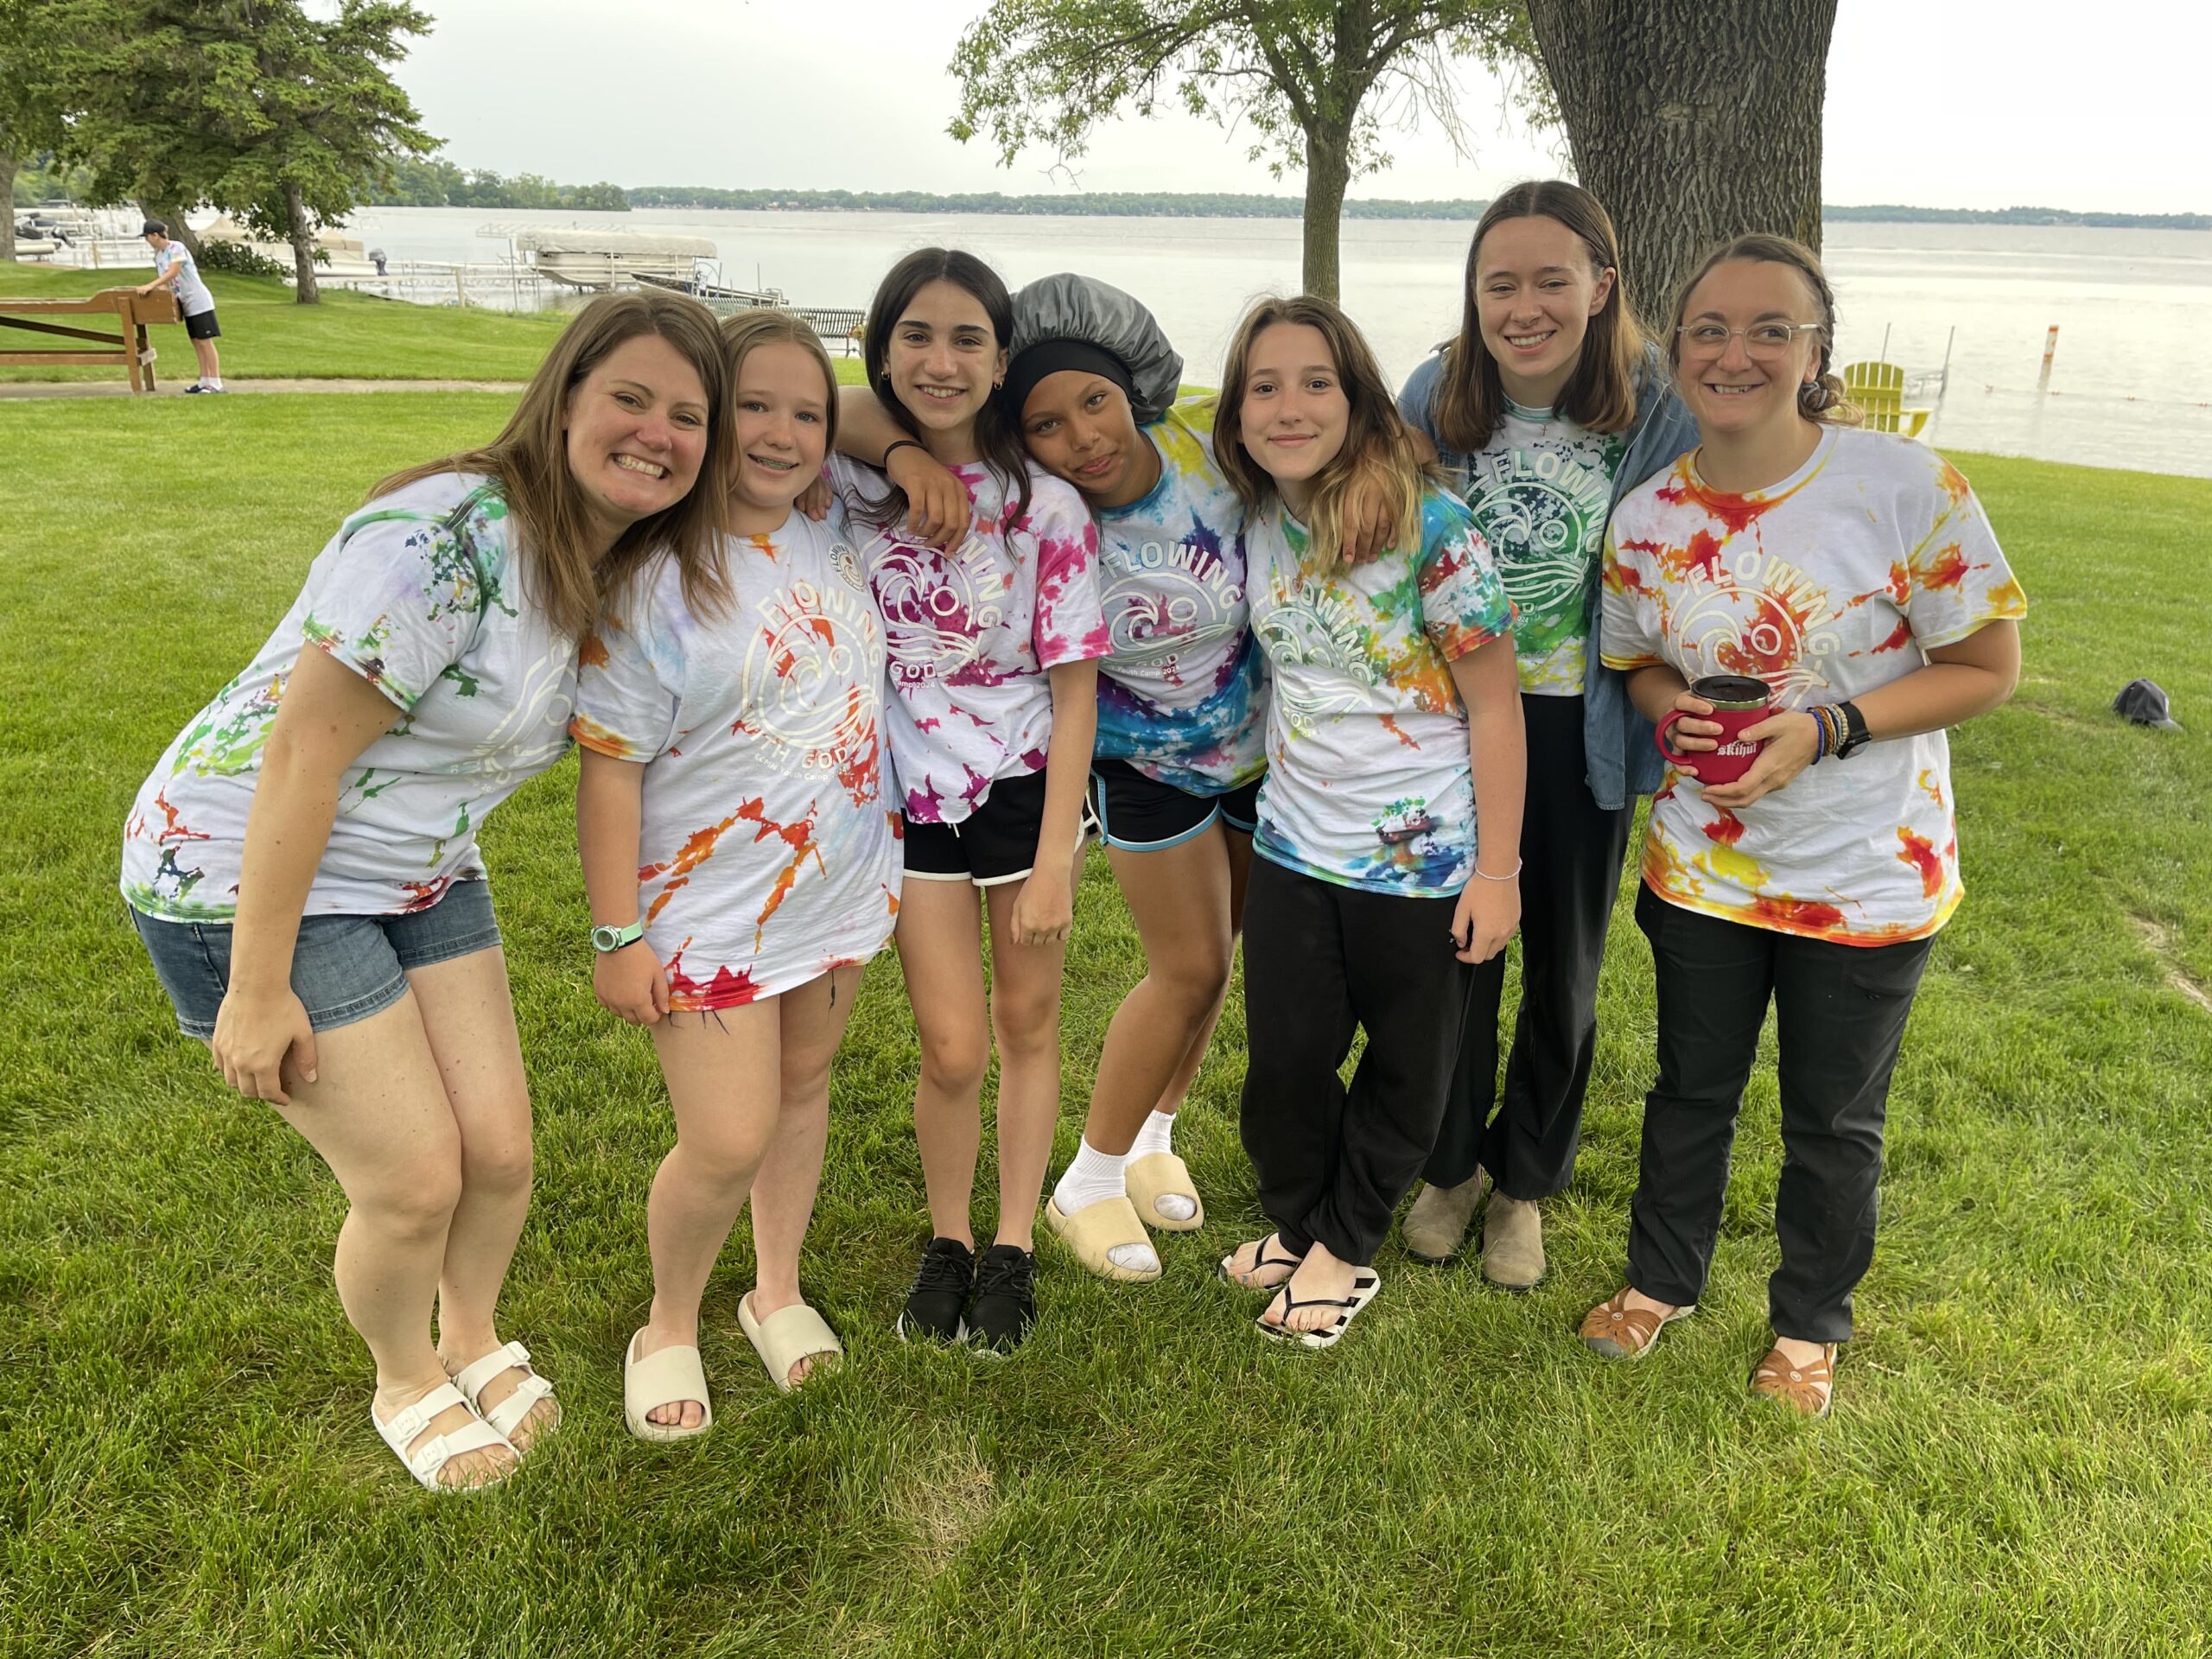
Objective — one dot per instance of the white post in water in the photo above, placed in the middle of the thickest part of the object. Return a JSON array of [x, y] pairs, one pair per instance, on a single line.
[[2049, 350], [460, 287]]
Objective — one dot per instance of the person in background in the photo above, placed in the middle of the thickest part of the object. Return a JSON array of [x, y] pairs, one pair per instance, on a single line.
[[1390, 826], [301, 864], [174, 268], [1853, 577], [1546, 409]]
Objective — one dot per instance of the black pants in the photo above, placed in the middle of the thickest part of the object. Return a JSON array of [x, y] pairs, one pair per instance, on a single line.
[[1321, 960], [1571, 849], [1840, 1014]]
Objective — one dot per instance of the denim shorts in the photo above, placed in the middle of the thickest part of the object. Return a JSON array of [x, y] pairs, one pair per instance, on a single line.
[[344, 968]]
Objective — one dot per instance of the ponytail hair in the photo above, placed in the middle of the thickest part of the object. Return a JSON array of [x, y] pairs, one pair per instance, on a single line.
[[1822, 399]]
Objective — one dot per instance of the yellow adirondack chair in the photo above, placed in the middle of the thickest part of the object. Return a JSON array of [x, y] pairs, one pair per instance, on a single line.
[[1879, 390]]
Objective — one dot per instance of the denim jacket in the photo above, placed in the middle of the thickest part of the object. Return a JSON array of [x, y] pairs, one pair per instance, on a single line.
[[1617, 753]]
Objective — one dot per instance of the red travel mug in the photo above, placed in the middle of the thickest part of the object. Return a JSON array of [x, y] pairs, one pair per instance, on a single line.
[[1737, 701]]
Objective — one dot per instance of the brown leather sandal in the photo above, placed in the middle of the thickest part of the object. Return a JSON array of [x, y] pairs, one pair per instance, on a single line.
[[1809, 1388], [1619, 1331]]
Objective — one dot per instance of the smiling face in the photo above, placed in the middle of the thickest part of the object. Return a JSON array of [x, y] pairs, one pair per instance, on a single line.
[[1078, 426], [942, 361], [1738, 388], [637, 433], [781, 425], [1535, 294], [1294, 413]]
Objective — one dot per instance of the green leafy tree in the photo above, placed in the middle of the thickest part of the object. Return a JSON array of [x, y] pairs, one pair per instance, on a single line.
[[30, 100], [1316, 82]]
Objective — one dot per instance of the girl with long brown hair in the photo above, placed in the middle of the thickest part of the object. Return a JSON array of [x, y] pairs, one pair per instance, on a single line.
[[1392, 736], [1544, 410], [302, 865]]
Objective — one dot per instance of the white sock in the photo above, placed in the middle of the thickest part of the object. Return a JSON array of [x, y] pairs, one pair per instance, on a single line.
[[1158, 1136], [216, 382], [1092, 1176]]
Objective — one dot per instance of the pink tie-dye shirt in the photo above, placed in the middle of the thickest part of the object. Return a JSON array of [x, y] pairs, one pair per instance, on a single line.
[[971, 632]]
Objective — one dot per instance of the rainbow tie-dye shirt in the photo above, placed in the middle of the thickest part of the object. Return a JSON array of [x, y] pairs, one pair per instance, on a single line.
[[971, 632], [418, 594], [1183, 698], [769, 848], [1835, 582], [1370, 784]]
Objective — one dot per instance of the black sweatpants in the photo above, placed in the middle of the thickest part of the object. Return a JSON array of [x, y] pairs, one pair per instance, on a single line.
[[1839, 1016], [1571, 851], [1321, 961]]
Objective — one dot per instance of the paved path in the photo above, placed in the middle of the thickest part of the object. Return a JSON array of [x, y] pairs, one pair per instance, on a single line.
[[122, 388]]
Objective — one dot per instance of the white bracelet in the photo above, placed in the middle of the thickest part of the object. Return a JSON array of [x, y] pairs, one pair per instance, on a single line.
[[1513, 875]]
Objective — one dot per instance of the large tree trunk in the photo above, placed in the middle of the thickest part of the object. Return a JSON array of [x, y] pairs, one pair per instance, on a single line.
[[1328, 171], [1693, 122], [8, 209], [173, 217], [303, 240]]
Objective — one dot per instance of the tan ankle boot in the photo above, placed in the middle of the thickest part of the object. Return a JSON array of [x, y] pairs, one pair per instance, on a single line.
[[1513, 1243], [1437, 1224]]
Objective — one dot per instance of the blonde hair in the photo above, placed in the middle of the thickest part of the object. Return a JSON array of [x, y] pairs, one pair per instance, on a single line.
[[529, 458], [1378, 444], [1822, 399], [1599, 395]]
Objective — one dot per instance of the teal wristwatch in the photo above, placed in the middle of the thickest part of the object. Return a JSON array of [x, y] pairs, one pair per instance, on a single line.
[[604, 939]]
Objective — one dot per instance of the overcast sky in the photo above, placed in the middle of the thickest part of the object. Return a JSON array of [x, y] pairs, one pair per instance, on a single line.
[[1937, 102]]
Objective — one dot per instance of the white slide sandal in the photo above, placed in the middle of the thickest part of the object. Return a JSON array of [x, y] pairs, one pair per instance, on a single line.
[[427, 1460], [787, 1337], [507, 1416], [660, 1379]]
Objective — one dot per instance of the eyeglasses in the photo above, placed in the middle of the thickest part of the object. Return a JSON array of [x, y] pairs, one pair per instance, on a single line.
[[1760, 339]]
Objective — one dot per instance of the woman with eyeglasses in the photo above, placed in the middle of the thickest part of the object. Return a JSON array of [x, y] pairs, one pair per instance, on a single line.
[[1842, 592], [1546, 409]]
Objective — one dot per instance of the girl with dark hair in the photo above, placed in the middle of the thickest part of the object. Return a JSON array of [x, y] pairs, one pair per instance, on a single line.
[[1846, 586], [741, 854], [1544, 410], [1393, 734], [302, 865], [994, 645]]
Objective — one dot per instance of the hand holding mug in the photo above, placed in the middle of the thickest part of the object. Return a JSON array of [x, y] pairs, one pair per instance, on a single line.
[[1788, 741], [1713, 721]]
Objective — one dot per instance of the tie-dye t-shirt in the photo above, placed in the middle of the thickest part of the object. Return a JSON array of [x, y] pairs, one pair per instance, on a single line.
[[1539, 492], [1182, 699], [971, 632], [1369, 779], [1833, 583], [769, 850], [420, 593]]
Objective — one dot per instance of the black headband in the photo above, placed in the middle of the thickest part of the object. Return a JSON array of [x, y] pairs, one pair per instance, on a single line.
[[1052, 357]]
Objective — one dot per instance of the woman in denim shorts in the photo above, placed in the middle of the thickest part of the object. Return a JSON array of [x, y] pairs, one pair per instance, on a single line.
[[303, 866]]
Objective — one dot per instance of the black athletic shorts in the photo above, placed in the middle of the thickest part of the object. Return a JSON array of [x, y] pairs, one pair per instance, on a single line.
[[995, 843], [1142, 815], [201, 324]]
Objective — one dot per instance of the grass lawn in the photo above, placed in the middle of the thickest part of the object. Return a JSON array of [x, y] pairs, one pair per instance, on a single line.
[[2016, 1466]]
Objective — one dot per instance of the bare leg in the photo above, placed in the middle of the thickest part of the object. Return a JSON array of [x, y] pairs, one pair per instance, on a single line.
[[380, 1119], [814, 1017], [941, 952], [722, 1070], [211, 367], [1240, 871], [1025, 1019], [1180, 899], [469, 1018]]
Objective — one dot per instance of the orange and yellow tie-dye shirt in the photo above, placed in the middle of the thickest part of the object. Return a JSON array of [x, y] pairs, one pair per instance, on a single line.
[[1836, 581]]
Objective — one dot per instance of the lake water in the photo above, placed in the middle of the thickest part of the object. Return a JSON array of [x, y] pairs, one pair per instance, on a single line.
[[2131, 385]]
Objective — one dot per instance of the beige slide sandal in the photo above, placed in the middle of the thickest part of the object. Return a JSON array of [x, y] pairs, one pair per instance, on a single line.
[[660, 1379], [787, 1337], [1158, 1174], [1092, 1232]]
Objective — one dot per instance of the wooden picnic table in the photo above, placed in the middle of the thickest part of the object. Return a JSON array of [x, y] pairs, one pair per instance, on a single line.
[[126, 349]]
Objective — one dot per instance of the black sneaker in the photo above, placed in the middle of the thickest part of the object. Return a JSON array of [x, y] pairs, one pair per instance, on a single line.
[[1004, 1304], [941, 1287]]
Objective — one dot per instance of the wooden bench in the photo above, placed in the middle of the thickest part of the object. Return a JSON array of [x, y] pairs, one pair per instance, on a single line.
[[126, 349], [831, 323]]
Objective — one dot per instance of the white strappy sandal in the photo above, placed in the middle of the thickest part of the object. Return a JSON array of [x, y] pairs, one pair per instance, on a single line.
[[507, 1416], [425, 1461]]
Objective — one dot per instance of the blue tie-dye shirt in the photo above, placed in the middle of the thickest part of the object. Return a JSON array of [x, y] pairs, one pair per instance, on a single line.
[[1369, 782], [1183, 697]]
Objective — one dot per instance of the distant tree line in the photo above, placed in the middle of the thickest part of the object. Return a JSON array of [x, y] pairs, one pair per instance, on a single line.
[[1892, 213], [437, 182]]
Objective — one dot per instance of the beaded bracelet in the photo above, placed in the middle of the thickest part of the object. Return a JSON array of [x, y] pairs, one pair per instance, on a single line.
[[1829, 736]]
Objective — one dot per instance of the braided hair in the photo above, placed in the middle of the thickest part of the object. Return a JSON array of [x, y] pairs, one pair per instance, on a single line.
[[1821, 399]]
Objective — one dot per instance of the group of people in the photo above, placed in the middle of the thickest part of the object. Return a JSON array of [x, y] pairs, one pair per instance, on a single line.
[[1372, 680]]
